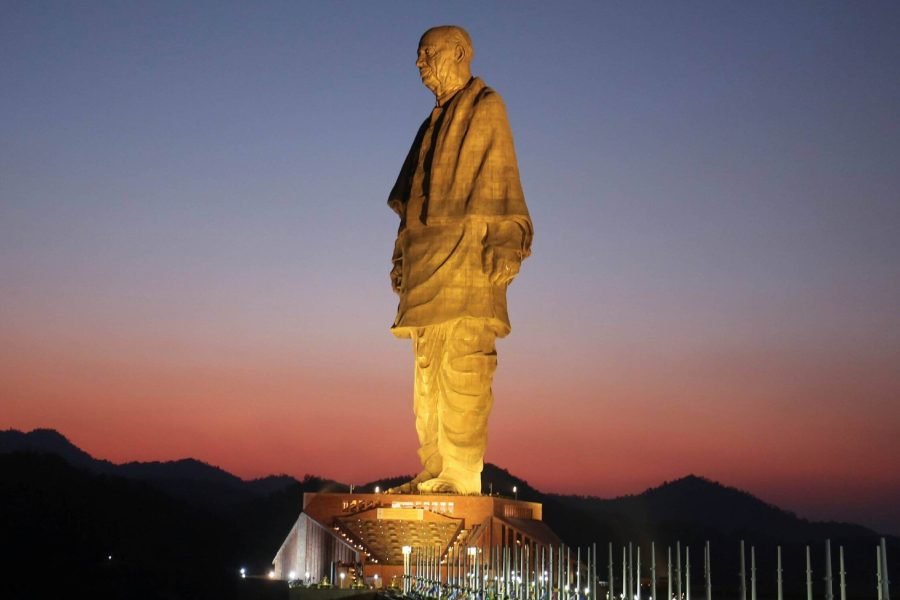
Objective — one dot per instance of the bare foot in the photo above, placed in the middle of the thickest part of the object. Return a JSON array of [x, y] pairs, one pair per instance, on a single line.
[[453, 481], [411, 486], [438, 485]]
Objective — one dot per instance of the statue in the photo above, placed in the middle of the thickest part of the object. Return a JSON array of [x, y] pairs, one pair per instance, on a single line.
[[464, 232]]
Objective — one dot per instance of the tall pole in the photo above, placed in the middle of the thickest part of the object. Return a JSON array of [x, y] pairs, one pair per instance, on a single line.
[[708, 571], [477, 557], [529, 571], [543, 579], [687, 572], [808, 576], [780, 583], [625, 571], [678, 569], [594, 578], [504, 570], [562, 584], [843, 573], [752, 573], [653, 571], [578, 573], [523, 567], [612, 588], [885, 579], [829, 590], [638, 574], [879, 576], [550, 574], [669, 574], [630, 572], [517, 569], [743, 574], [405, 569], [542, 585]]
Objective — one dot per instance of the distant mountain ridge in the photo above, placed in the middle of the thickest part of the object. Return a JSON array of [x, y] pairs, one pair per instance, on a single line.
[[49, 480], [689, 501], [186, 478]]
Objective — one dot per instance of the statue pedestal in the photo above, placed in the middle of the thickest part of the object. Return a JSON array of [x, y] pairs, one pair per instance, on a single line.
[[364, 535]]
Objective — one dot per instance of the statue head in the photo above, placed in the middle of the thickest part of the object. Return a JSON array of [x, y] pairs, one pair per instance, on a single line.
[[444, 56]]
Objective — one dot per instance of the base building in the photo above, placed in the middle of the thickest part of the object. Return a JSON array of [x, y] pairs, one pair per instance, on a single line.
[[374, 537]]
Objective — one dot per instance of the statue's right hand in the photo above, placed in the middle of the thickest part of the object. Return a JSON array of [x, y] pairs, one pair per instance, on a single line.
[[397, 276]]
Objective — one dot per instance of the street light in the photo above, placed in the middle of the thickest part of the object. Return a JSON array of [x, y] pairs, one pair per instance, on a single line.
[[407, 550], [516, 492]]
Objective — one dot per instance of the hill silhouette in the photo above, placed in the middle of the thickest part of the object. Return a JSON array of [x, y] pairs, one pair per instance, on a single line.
[[184, 528]]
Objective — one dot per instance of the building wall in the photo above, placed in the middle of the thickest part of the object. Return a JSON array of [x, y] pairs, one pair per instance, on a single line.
[[311, 548]]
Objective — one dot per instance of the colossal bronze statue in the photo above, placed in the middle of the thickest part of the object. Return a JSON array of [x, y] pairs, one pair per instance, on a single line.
[[464, 231]]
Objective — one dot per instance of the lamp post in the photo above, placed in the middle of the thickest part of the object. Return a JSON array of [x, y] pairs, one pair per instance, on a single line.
[[407, 550]]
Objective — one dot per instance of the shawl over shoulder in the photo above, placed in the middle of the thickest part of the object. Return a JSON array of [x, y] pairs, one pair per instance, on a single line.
[[473, 172]]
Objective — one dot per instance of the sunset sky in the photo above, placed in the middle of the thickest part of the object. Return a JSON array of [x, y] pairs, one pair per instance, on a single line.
[[195, 245]]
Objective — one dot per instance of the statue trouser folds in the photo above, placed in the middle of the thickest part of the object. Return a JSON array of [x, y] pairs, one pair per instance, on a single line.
[[455, 364]]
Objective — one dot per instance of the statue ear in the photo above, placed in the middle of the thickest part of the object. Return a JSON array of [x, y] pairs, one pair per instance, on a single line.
[[459, 53]]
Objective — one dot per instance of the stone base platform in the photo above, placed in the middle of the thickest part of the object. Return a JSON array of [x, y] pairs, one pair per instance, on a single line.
[[363, 535]]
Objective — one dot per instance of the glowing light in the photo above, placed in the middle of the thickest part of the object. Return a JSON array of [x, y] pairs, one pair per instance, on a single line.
[[407, 550], [272, 574], [377, 489], [292, 575]]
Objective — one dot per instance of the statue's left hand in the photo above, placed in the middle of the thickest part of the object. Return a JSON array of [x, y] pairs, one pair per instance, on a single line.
[[501, 265], [397, 276]]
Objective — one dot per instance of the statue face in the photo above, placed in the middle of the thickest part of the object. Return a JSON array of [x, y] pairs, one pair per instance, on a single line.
[[437, 61]]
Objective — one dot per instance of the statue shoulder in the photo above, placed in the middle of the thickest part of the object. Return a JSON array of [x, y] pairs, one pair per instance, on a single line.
[[488, 99]]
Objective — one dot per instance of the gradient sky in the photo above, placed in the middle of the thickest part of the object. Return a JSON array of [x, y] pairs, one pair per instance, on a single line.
[[195, 245]]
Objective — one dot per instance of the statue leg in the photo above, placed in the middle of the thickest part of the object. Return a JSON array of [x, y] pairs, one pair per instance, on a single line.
[[467, 370], [427, 342]]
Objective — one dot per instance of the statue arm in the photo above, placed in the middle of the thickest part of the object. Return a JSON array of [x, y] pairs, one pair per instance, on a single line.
[[507, 241], [506, 245], [397, 269]]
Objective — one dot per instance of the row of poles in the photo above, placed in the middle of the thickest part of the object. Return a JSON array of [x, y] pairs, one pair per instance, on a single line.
[[546, 573], [883, 591], [513, 572]]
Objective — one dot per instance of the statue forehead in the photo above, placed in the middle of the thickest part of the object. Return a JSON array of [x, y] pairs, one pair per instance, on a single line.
[[435, 37]]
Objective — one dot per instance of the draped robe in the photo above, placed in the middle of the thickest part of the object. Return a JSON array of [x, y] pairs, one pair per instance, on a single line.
[[460, 200]]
